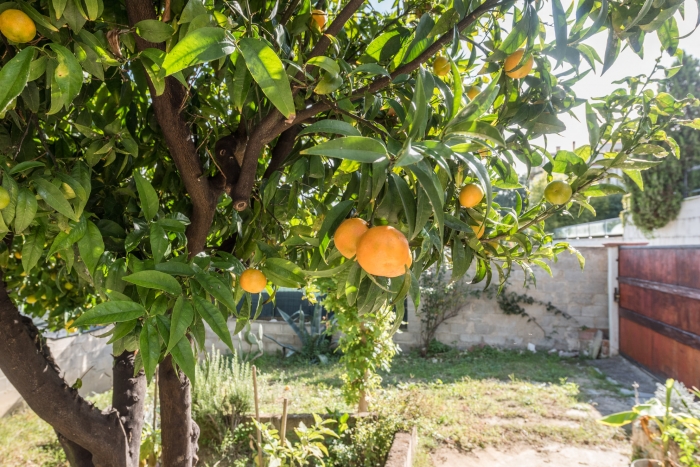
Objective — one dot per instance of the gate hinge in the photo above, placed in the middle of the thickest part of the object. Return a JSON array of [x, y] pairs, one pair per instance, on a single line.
[[616, 296]]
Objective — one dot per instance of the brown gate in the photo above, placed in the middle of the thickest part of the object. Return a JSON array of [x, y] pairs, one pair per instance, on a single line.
[[659, 308]]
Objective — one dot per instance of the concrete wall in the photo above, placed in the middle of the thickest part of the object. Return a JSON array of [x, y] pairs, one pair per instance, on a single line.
[[684, 230], [581, 294]]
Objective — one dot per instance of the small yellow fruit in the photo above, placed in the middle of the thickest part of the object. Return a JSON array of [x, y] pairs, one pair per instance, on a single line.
[[479, 230], [31, 300], [68, 286], [558, 192], [472, 92], [471, 195], [4, 198], [17, 26], [18, 255], [441, 66], [511, 65], [253, 281], [319, 17]]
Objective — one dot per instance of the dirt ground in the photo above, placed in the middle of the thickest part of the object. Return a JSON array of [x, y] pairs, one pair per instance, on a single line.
[[626, 382]]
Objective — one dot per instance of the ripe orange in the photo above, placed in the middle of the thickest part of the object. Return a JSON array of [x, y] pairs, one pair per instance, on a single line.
[[17, 26], [319, 17], [472, 92], [253, 280], [479, 230], [348, 234], [384, 251], [441, 66], [558, 192], [471, 195], [511, 65], [18, 254]]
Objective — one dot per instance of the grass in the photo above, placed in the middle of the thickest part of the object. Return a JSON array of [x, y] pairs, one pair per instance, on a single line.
[[463, 399]]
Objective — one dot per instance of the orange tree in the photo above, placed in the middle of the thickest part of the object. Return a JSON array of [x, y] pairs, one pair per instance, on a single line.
[[153, 151]]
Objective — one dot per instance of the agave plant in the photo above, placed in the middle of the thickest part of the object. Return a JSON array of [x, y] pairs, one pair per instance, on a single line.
[[315, 339]]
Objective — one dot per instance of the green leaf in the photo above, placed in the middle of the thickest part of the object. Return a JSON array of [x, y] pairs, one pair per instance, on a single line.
[[91, 246], [669, 36], [283, 272], [32, 249], [371, 69], [68, 73], [217, 289], [22, 166], [479, 105], [216, 321], [325, 63], [184, 358], [603, 189], [65, 240], [560, 26], [111, 312], [612, 49], [155, 280], [339, 127], [25, 210], [268, 71], [479, 130], [385, 46], [159, 242], [408, 200], [183, 315], [175, 268], [147, 195], [636, 176], [149, 345], [240, 84], [355, 148], [200, 46], [593, 127], [461, 259], [54, 197], [14, 76], [428, 181], [59, 6], [619, 419], [153, 30]]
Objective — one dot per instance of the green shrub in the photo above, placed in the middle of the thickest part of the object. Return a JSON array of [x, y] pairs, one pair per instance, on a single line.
[[222, 395]]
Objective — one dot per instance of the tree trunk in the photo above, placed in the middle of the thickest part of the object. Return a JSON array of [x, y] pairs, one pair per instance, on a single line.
[[128, 397], [179, 433], [27, 363], [76, 455]]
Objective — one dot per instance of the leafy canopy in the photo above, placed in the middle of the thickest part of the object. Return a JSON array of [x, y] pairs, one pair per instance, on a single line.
[[274, 131]]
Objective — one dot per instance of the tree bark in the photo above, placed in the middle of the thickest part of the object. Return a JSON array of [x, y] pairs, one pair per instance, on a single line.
[[76, 455], [128, 397], [27, 363], [178, 431]]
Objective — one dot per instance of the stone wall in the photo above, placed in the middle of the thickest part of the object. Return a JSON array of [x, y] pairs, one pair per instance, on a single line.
[[581, 294]]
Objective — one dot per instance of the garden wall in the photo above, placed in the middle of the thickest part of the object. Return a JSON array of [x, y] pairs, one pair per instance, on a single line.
[[681, 231], [581, 294]]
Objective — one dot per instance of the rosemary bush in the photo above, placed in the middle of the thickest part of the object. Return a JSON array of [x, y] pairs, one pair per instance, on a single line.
[[222, 395]]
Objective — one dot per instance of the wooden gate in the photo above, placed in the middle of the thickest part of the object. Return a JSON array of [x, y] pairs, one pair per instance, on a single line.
[[659, 305]]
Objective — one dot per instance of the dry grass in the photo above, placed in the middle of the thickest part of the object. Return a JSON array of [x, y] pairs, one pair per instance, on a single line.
[[28, 441]]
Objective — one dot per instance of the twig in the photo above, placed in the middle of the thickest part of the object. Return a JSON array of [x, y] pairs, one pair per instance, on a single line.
[[364, 121], [289, 12], [257, 415], [42, 138], [166, 12], [155, 400]]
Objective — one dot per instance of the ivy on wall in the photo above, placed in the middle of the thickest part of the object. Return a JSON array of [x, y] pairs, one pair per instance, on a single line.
[[666, 184]]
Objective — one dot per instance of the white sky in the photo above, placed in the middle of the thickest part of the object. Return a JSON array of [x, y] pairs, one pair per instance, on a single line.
[[627, 64]]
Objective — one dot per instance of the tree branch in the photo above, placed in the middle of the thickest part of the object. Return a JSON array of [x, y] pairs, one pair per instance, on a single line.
[[27, 363], [282, 149], [179, 140], [76, 455]]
